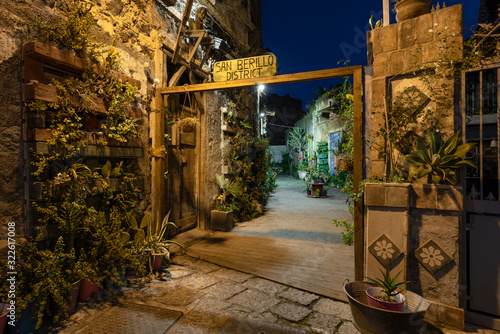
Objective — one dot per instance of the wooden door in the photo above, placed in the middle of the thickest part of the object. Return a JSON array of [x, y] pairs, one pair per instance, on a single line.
[[183, 172]]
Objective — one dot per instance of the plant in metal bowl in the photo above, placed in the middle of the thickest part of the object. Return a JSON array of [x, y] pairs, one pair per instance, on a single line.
[[386, 295], [439, 159]]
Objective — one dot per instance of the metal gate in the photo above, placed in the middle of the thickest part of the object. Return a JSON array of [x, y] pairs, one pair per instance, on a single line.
[[481, 98]]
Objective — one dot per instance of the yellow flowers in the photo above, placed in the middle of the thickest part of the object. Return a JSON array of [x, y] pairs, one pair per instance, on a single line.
[[349, 97]]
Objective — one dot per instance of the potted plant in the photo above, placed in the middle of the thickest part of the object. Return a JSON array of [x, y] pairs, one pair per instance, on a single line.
[[222, 217], [439, 159], [408, 9], [386, 295], [3, 316], [149, 239], [188, 124]]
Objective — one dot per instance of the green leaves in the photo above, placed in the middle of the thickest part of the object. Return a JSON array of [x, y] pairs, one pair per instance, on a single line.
[[388, 284], [439, 159]]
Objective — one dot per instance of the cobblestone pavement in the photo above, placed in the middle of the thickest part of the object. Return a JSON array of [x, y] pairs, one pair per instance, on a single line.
[[208, 295]]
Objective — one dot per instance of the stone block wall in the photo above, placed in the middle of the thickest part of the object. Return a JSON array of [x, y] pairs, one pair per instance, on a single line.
[[398, 53], [416, 228]]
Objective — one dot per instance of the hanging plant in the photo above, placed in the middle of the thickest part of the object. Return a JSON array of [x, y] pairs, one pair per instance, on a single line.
[[188, 124]]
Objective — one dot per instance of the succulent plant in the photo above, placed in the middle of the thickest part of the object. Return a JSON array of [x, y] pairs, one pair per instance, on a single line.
[[439, 159]]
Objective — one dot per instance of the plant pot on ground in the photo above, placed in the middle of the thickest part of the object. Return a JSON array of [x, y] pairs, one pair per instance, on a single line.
[[221, 220], [88, 288], [408, 9], [3, 316]]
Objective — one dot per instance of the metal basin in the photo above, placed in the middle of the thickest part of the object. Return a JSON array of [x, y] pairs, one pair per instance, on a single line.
[[371, 320]]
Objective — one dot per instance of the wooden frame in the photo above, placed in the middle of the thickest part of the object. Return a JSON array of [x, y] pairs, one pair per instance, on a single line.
[[357, 73]]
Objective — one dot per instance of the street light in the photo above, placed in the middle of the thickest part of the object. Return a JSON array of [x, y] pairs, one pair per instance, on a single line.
[[260, 89]]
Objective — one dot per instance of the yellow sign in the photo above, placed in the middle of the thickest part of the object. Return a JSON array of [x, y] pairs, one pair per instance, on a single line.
[[245, 68]]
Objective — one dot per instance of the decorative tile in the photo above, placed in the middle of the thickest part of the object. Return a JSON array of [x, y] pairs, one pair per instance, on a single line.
[[432, 257], [384, 250]]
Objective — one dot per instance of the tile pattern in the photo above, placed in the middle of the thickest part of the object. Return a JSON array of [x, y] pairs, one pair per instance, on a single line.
[[432, 257], [384, 250]]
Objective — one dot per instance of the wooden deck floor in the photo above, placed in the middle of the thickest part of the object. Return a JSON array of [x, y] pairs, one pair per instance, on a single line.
[[294, 243]]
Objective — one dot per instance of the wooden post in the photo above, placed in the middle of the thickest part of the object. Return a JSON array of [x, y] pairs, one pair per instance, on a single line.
[[157, 125], [386, 17], [358, 174]]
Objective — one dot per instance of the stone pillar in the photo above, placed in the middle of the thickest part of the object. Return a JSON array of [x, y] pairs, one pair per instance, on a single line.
[[398, 53], [415, 228]]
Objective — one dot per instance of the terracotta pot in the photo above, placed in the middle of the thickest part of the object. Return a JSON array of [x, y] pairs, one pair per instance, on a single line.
[[3, 316], [157, 261], [75, 290], [409, 9], [88, 288], [371, 293]]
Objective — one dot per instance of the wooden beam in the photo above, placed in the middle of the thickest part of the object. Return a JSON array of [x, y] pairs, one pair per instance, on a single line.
[[175, 78], [358, 174], [274, 80], [185, 16], [157, 133]]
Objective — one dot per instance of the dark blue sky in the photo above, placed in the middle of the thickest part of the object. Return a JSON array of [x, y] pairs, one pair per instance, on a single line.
[[315, 35]]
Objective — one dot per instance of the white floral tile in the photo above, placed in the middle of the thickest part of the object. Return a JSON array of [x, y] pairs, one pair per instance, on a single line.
[[432, 257], [384, 250]]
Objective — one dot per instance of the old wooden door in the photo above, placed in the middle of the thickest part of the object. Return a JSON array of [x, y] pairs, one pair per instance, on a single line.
[[183, 171], [482, 203]]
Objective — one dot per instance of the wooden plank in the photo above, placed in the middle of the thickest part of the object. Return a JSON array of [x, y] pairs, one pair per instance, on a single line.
[[274, 259], [185, 16], [278, 79], [358, 174], [175, 78], [55, 57], [193, 67], [39, 91], [94, 150], [64, 60]]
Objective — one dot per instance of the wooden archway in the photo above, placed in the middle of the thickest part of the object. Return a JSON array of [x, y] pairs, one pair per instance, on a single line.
[[355, 71]]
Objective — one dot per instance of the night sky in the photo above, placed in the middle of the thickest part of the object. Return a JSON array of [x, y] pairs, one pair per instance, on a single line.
[[315, 35]]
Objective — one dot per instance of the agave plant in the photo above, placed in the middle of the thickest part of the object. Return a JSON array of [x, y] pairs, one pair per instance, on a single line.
[[439, 159], [388, 284]]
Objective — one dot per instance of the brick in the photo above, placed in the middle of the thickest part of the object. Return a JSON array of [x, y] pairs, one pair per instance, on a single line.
[[423, 196], [414, 58], [390, 38], [449, 198], [449, 21], [379, 66], [451, 316], [407, 34], [396, 63], [424, 24], [374, 194], [396, 195], [377, 166], [377, 37]]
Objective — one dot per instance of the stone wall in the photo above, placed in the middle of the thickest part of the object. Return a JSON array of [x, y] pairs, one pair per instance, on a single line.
[[140, 30], [398, 53]]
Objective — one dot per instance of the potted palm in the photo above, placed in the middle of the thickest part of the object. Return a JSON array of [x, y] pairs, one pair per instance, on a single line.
[[222, 217]]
